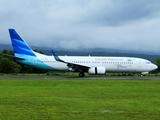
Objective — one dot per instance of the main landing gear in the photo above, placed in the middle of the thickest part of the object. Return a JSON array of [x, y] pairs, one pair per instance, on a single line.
[[81, 74]]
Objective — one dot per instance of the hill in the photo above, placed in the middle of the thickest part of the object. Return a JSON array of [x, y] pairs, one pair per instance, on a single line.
[[93, 52]]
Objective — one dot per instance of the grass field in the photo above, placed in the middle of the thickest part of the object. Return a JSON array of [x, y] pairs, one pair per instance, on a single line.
[[79, 99]]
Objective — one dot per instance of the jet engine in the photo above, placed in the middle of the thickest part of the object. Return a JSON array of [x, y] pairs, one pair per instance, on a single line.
[[97, 70]]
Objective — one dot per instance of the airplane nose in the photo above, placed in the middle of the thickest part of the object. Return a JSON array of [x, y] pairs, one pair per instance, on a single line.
[[154, 66]]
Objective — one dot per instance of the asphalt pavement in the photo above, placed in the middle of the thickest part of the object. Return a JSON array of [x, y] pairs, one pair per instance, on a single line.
[[78, 78]]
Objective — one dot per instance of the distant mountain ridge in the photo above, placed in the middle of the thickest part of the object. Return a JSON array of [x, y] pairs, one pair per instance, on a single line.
[[92, 52], [5, 46], [9, 47]]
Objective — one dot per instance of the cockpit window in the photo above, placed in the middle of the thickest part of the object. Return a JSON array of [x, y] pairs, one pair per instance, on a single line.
[[148, 62]]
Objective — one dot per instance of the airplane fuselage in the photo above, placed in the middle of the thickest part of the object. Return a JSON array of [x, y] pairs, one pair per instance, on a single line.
[[111, 64]]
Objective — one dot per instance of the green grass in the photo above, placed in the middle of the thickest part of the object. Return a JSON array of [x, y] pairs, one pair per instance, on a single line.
[[79, 99]]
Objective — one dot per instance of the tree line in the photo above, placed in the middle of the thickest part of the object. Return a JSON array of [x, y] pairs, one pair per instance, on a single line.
[[8, 65]]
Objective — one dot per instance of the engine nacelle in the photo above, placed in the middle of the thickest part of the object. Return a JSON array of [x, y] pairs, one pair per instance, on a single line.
[[70, 69], [97, 70], [144, 73]]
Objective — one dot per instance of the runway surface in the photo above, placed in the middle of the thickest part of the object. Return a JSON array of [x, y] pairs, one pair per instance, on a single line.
[[78, 78]]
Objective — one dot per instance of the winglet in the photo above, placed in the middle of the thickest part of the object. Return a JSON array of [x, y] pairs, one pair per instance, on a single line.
[[56, 56]]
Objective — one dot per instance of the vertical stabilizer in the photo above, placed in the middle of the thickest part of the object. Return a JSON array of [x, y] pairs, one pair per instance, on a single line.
[[19, 45]]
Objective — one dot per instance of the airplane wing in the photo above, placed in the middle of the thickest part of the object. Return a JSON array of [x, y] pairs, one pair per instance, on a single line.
[[73, 66], [14, 57]]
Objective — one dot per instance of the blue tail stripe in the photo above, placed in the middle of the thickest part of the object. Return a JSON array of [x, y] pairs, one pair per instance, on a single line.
[[21, 51], [19, 45], [14, 35]]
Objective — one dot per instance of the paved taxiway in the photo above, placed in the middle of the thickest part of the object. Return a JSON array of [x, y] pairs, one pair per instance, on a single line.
[[78, 78]]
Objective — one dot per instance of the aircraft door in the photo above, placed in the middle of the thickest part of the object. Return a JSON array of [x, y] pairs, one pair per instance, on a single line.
[[34, 61], [139, 65]]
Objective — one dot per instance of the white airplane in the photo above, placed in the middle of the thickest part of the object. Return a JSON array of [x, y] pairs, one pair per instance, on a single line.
[[93, 65]]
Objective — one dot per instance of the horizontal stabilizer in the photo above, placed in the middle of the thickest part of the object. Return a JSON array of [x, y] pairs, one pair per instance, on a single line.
[[14, 57]]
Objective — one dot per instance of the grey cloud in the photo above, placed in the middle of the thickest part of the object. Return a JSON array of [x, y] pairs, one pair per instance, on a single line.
[[123, 24], [114, 12]]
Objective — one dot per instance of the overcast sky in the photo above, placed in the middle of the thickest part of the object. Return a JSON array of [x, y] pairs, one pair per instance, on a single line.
[[74, 24]]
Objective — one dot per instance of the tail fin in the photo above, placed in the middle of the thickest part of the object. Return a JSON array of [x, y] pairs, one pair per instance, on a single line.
[[19, 45]]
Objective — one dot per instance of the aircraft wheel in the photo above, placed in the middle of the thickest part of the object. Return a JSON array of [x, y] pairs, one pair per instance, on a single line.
[[81, 74]]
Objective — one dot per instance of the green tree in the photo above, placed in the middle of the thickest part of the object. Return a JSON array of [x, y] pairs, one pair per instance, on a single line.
[[9, 52], [8, 66], [38, 51], [4, 51], [158, 64]]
